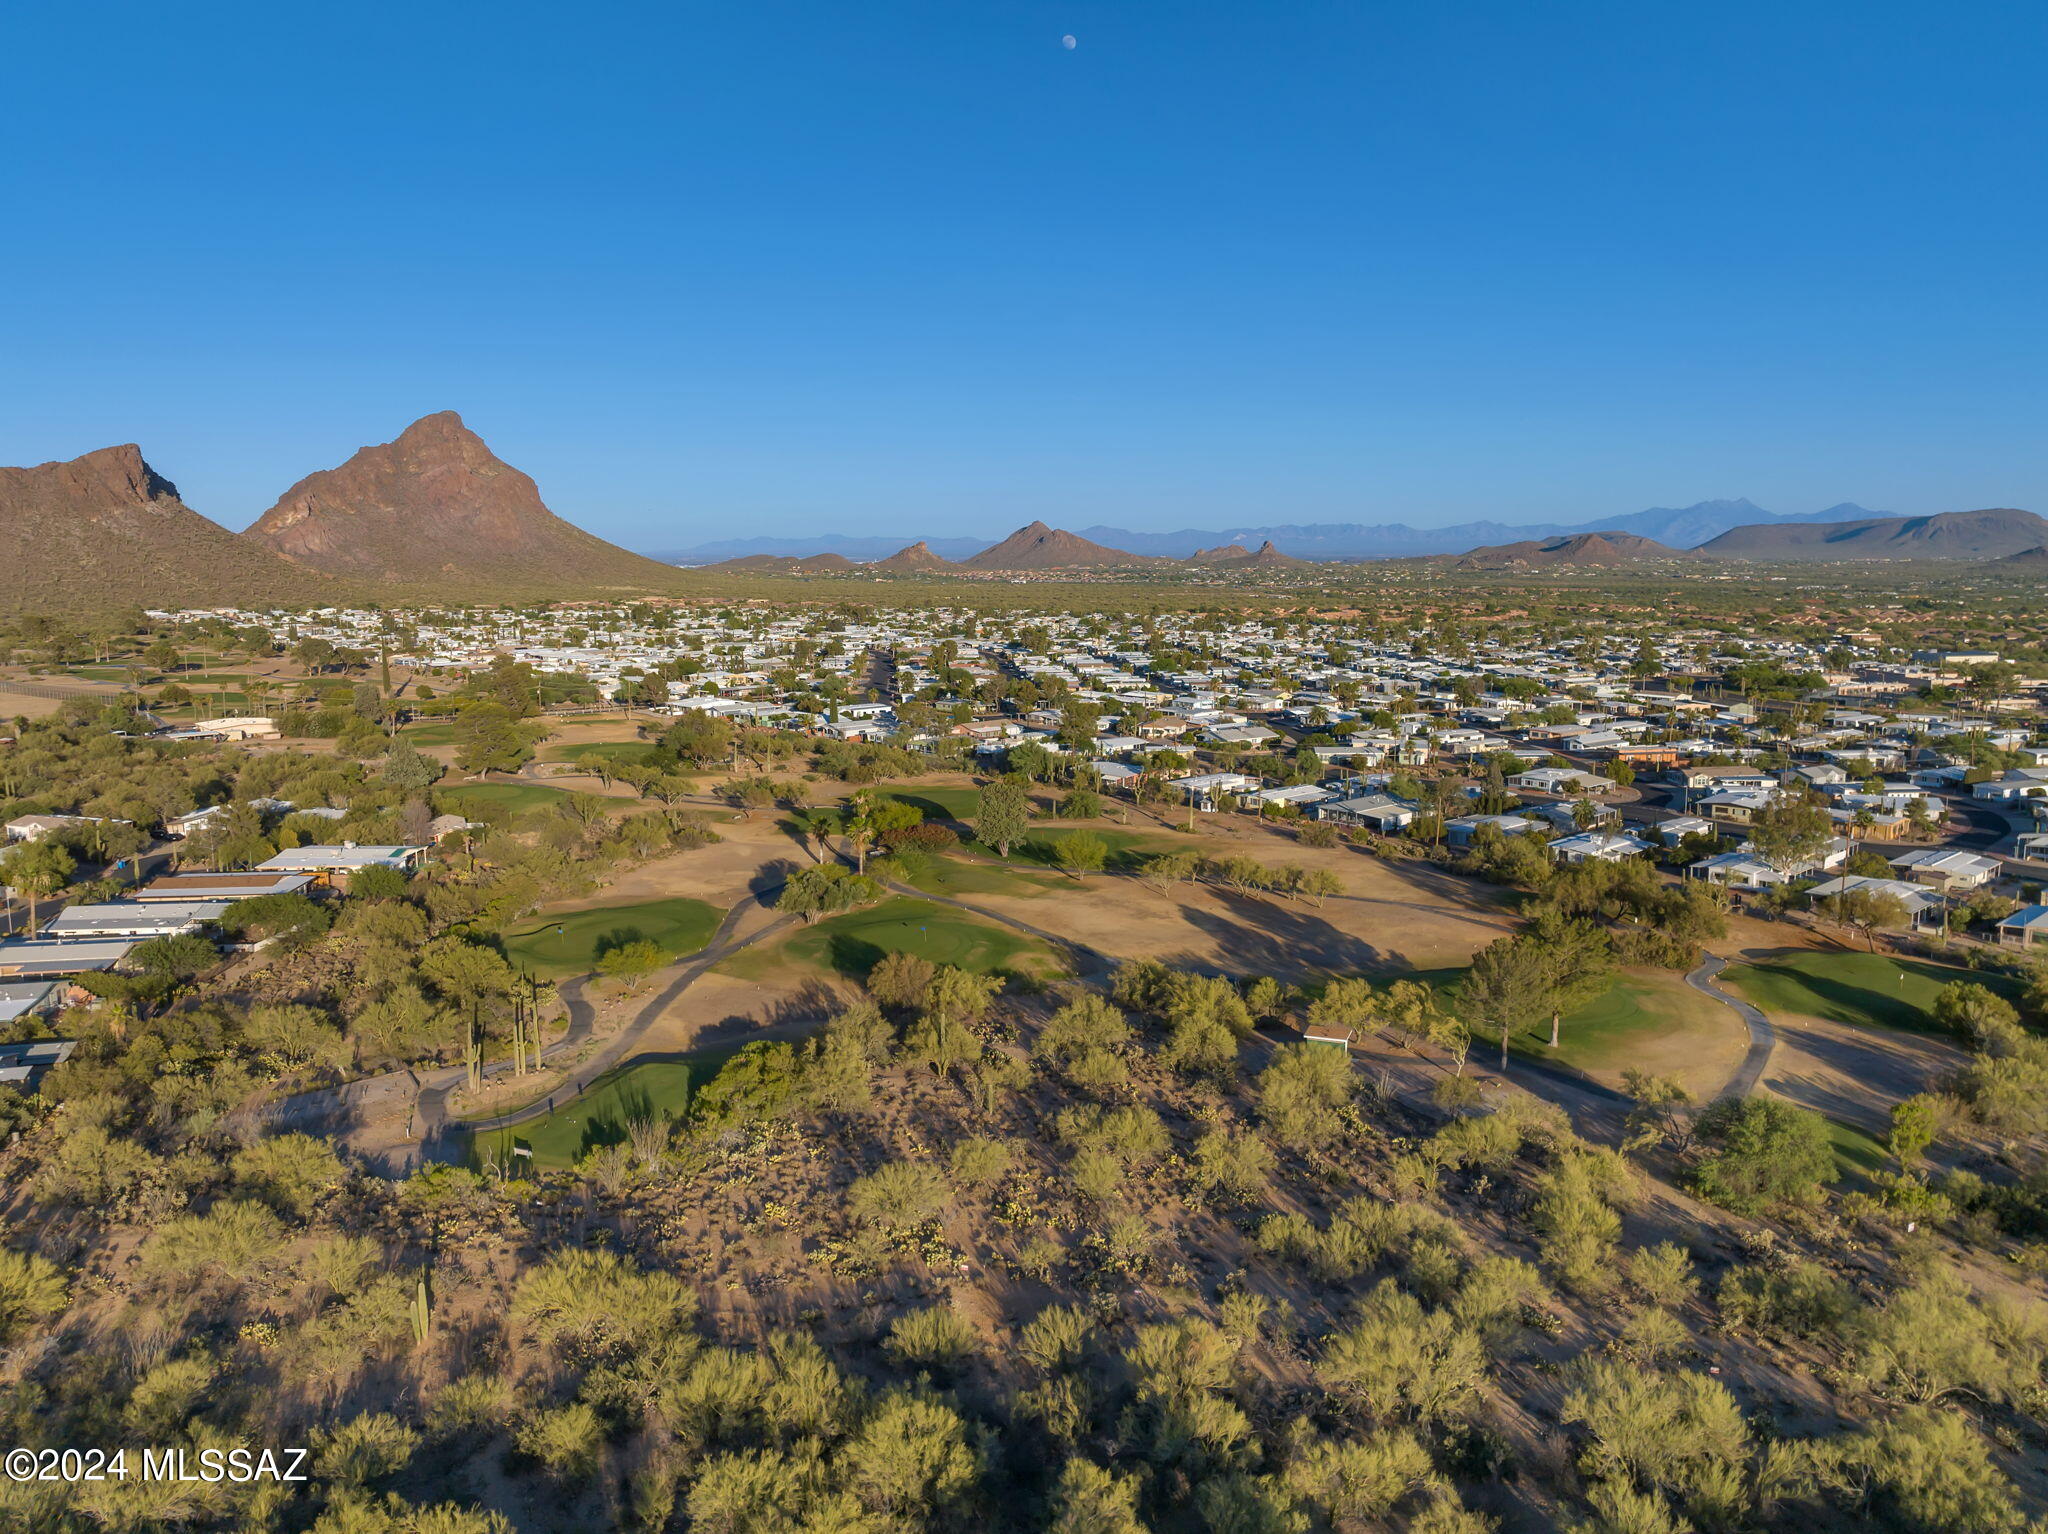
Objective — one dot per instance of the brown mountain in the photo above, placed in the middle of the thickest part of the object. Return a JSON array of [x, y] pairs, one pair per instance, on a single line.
[[918, 556], [1039, 547], [1222, 554], [1265, 557], [2037, 555], [107, 531], [785, 564], [1989, 534], [1576, 549], [438, 508]]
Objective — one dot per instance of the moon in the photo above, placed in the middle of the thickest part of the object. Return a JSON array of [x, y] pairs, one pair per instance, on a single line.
[[1068, 42]]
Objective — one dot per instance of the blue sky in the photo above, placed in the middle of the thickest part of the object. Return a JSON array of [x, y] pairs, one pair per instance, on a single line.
[[781, 268]]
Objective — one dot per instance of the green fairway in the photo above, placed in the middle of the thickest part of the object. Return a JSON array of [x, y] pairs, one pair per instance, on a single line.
[[1644, 1019], [940, 804], [590, 752], [436, 732], [571, 942], [852, 944], [1128, 850], [1868, 990], [955, 875], [512, 798], [646, 1089]]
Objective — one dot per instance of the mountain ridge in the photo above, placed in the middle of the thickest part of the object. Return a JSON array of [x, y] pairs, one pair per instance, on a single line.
[[436, 507], [1990, 533], [106, 530], [1036, 546]]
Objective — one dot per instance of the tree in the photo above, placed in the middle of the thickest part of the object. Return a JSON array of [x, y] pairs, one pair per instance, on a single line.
[[180, 957], [1004, 817], [37, 869], [1302, 1091], [1087, 1499], [900, 980], [1507, 987], [32, 1289], [631, 962], [1579, 965], [748, 794], [1763, 1154], [407, 770], [1079, 853], [827, 890], [1791, 831], [489, 739], [1867, 911], [1916, 1124]]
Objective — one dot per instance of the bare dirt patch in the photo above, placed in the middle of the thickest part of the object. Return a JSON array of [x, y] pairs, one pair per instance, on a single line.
[[1854, 1074]]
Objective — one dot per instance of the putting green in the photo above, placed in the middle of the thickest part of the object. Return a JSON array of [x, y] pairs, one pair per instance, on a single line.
[[571, 942], [604, 1114], [1867, 990]]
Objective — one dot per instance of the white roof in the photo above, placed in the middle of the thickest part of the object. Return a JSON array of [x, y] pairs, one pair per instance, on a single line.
[[21, 997], [128, 918], [317, 859]]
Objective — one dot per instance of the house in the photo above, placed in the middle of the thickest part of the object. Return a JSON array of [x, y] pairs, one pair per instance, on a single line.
[[2015, 783], [1460, 832], [182, 826], [27, 998], [23, 1065], [1719, 777], [1300, 795], [1676, 829], [1735, 807], [1945, 868], [335, 865], [2025, 928], [1207, 789], [1598, 846], [1923, 908], [33, 828], [441, 827], [1741, 871], [1561, 780], [1241, 734], [1382, 812], [225, 886], [133, 918], [36, 958], [235, 728]]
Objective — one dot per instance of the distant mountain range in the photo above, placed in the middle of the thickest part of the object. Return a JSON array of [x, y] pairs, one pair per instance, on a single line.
[[1678, 526], [435, 513], [1997, 533]]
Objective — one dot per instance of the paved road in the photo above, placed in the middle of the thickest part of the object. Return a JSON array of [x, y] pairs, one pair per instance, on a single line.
[[1763, 1038]]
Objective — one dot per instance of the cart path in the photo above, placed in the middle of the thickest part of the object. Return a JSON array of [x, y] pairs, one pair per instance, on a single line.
[[1763, 1038], [434, 1122]]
